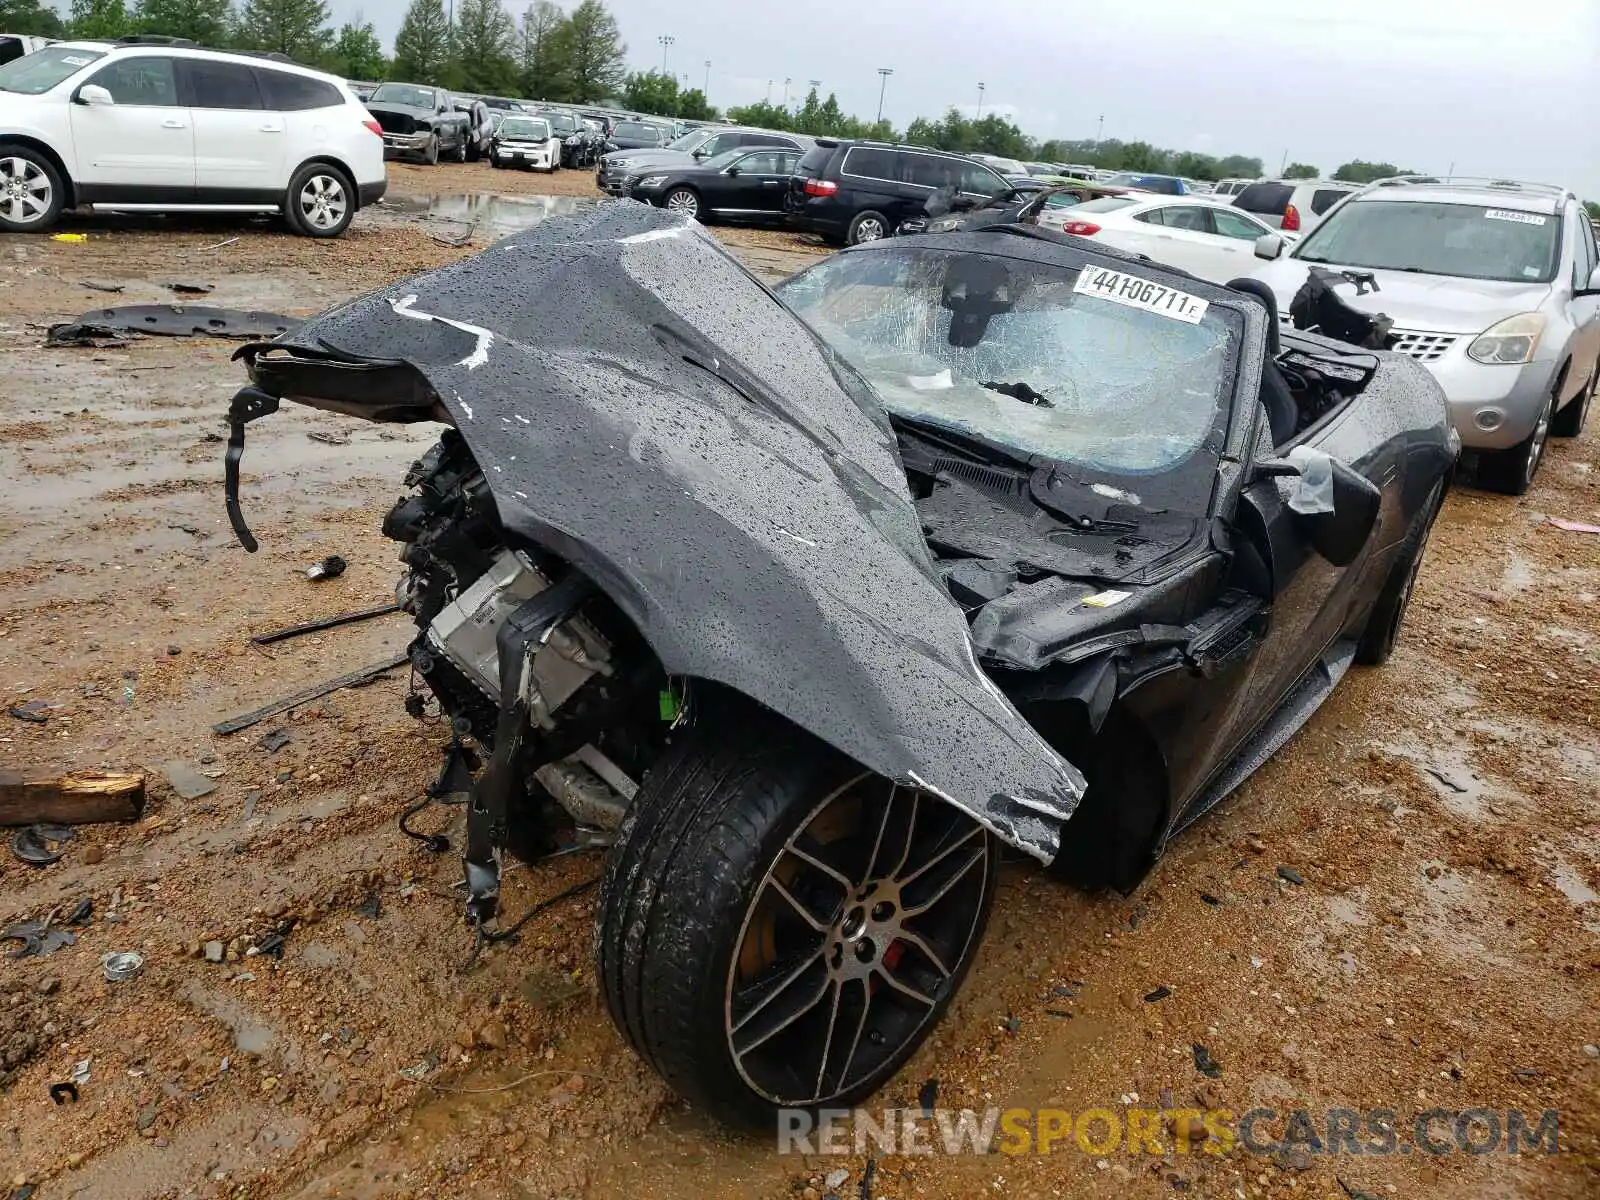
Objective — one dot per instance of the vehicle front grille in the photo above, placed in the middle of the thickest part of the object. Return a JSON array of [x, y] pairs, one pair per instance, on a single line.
[[1424, 347], [396, 122]]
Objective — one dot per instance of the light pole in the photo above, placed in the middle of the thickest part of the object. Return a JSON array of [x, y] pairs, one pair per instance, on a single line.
[[786, 91], [815, 84], [884, 73], [708, 77], [768, 99], [979, 117], [1099, 134], [666, 40]]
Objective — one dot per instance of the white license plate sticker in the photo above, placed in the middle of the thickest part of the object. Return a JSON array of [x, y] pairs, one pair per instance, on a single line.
[[1511, 214], [76, 60], [1130, 290]]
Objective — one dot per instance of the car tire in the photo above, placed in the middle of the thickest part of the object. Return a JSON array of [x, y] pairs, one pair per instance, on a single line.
[[743, 816], [1569, 421], [683, 200], [1512, 471], [1382, 630], [868, 226], [460, 155], [32, 191], [321, 201], [431, 154], [494, 162]]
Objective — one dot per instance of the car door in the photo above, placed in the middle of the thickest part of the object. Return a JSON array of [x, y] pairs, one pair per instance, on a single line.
[[1235, 243], [755, 183], [1183, 237], [1583, 311], [239, 144], [140, 147]]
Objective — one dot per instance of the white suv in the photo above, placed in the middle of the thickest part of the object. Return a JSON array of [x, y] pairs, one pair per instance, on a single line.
[[175, 128]]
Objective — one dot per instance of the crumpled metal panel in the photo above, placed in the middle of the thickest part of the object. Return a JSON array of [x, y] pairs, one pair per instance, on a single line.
[[748, 513]]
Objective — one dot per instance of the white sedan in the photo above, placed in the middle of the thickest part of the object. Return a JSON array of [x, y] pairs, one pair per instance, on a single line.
[[1206, 237]]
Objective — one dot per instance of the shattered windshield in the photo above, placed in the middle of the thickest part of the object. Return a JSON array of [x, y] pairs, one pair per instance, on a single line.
[[404, 94], [1096, 367]]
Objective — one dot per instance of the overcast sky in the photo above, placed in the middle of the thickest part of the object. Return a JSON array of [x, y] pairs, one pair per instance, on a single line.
[[1498, 87]]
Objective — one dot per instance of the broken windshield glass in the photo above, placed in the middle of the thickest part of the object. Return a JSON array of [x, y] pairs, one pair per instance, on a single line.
[[1131, 384]]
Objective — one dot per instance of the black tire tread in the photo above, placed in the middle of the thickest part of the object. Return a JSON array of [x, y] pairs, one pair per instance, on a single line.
[[1376, 644]]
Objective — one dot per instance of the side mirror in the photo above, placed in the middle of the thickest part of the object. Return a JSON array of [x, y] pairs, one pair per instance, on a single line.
[[1340, 534], [734, 170], [1269, 246], [94, 94]]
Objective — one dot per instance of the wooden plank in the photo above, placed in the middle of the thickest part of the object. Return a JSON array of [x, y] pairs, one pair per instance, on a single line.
[[77, 799]]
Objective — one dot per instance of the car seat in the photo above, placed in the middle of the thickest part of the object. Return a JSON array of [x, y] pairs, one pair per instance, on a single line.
[[1283, 414]]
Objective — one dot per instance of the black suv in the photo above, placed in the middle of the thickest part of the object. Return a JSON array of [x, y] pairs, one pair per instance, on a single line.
[[853, 192]]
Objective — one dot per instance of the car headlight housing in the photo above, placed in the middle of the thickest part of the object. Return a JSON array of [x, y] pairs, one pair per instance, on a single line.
[[621, 164], [1513, 340], [574, 140], [652, 181]]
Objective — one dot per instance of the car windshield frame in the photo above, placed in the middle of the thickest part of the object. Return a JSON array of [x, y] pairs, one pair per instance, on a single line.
[[1509, 220], [525, 137], [552, 117], [1183, 473], [398, 92], [64, 61], [691, 141], [624, 129]]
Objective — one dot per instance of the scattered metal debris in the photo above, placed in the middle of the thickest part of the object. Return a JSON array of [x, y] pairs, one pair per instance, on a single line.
[[455, 243], [87, 333], [1574, 526], [330, 439], [359, 678], [100, 285], [1446, 780], [305, 627], [219, 245], [38, 938], [274, 740], [169, 320], [329, 568], [64, 1092], [81, 912], [1208, 898], [371, 907], [187, 782], [188, 287], [1290, 875], [270, 944], [37, 844], [1204, 1063], [33, 711], [868, 1174], [928, 1096], [1160, 993], [121, 964]]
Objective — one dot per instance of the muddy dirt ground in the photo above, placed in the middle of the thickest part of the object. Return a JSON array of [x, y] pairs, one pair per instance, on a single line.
[[1442, 948]]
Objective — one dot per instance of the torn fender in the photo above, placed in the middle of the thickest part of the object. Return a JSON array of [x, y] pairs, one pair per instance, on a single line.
[[642, 406]]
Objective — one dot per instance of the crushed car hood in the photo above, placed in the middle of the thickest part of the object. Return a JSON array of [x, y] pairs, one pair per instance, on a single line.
[[645, 408]]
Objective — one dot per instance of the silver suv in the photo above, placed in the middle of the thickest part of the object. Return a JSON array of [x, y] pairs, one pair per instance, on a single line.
[[1493, 285]]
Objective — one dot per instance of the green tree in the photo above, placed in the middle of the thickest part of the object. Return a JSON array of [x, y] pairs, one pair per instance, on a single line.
[[486, 47], [651, 92], [594, 52], [1193, 165], [298, 28], [1237, 166], [762, 115], [1593, 209], [543, 70], [203, 21], [31, 18], [1301, 171], [99, 20], [693, 106], [357, 52], [1361, 171], [422, 47]]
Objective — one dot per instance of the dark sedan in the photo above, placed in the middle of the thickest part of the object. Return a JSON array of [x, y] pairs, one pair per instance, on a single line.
[[741, 185]]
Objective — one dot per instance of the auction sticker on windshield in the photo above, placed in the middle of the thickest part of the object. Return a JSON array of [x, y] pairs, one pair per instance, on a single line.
[[1134, 292], [1511, 214]]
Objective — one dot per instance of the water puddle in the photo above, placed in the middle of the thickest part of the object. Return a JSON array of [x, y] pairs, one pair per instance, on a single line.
[[1571, 883], [1446, 770], [500, 215]]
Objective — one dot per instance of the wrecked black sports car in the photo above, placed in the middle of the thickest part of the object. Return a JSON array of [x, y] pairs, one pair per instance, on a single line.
[[809, 603]]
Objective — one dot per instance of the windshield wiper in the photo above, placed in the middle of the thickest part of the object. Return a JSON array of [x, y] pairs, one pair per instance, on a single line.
[[1020, 391], [961, 442]]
